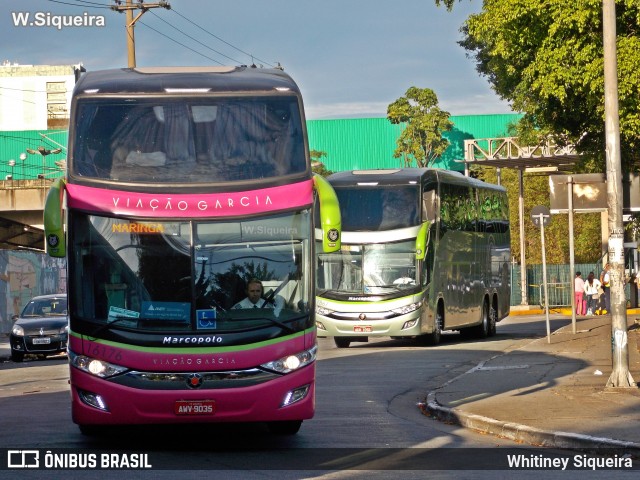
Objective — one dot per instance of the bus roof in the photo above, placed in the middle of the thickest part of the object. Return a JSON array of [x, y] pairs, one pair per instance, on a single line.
[[404, 176], [162, 80]]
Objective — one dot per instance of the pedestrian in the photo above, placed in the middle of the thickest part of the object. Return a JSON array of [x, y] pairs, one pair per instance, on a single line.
[[578, 293], [605, 280], [591, 287]]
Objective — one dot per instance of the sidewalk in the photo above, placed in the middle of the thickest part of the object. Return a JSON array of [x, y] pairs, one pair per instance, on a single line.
[[551, 394]]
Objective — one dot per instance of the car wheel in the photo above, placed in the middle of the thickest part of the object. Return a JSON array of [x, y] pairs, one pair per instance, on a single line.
[[289, 427], [342, 342], [17, 356]]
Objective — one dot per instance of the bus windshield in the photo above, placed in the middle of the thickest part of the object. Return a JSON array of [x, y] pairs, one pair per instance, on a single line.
[[368, 269], [184, 276], [192, 140], [378, 208]]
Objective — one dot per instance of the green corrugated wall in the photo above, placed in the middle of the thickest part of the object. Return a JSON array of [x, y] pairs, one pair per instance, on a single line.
[[357, 143], [365, 143]]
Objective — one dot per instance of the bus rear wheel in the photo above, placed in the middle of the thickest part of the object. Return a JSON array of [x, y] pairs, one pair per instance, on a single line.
[[482, 330]]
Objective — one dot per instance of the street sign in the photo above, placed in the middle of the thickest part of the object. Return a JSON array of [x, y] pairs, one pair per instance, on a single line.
[[540, 212]]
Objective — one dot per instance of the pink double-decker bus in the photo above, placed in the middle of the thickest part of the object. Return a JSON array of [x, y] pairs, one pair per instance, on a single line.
[[186, 218]]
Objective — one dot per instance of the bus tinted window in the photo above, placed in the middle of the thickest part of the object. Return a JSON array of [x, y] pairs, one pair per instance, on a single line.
[[378, 208], [188, 141]]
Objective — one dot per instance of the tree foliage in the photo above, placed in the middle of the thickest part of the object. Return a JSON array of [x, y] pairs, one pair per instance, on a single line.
[[546, 59], [316, 165], [421, 141], [587, 231]]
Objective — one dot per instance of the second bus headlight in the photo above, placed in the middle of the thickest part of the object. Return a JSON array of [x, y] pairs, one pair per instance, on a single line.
[[407, 308], [293, 362]]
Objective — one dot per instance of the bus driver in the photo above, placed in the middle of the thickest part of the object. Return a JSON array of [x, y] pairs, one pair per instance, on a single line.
[[254, 298]]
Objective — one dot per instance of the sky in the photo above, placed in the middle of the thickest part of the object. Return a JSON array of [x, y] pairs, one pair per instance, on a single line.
[[350, 58]]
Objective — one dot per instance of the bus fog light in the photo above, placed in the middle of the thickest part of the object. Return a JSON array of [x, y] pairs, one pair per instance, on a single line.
[[320, 325], [93, 400], [410, 324], [295, 395]]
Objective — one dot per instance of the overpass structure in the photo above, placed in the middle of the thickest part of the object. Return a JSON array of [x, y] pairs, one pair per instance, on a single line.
[[21, 210]]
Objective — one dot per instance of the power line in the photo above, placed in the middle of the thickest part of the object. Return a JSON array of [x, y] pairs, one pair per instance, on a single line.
[[181, 44], [82, 3], [195, 40], [218, 38]]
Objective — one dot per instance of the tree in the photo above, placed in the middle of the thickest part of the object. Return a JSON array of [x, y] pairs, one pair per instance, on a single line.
[[421, 141], [546, 60], [316, 165]]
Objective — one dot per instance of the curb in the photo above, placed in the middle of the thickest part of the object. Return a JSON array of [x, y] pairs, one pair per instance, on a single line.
[[526, 434]]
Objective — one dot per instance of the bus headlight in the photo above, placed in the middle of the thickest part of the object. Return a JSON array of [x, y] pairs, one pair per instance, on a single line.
[[407, 308], [96, 367], [293, 362], [325, 312]]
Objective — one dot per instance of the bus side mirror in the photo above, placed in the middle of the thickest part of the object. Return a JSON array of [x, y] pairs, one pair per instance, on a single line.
[[422, 240], [331, 223], [53, 220]]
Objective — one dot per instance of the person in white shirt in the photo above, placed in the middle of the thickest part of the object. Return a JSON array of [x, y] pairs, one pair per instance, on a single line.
[[254, 298], [591, 287]]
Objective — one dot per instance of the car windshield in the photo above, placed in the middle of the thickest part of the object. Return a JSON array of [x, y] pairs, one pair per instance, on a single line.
[[45, 307]]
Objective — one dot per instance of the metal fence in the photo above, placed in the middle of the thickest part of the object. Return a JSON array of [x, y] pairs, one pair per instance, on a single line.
[[559, 285]]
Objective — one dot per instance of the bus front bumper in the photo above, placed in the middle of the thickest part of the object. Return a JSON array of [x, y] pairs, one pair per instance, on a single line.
[[97, 401]]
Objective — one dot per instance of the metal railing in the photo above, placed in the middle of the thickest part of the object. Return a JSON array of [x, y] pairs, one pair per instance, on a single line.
[[559, 294]]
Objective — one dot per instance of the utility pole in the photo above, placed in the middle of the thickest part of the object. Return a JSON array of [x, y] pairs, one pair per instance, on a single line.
[[129, 9], [620, 376]]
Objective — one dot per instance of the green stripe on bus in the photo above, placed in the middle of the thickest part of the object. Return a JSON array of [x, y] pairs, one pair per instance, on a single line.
[[194, 350]]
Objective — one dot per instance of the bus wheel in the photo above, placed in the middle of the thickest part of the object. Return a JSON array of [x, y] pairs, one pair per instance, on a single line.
[[482, 330], [342, 342], [434, 337], [493, 314], [289, 427]]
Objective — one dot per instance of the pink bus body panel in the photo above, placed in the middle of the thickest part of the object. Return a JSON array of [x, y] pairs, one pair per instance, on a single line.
[[256, 403]]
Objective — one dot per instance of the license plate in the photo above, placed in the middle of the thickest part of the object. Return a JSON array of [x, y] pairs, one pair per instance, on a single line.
[[195, 407], [41, 341], [362, 329]]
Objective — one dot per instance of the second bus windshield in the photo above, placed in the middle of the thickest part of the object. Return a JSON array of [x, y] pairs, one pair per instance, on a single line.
[[378, 208]]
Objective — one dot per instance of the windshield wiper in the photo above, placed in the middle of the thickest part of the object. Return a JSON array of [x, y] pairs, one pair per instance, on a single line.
[[279, 324], [109, 323]]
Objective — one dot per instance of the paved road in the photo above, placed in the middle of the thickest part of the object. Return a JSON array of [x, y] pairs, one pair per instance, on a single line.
[[367, 401]]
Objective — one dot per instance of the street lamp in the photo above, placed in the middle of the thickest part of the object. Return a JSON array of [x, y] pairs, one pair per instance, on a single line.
[[12, 163], [23, 157]]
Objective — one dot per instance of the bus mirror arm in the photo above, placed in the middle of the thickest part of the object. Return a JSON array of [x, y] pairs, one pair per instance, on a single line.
[[53, 220], [422, 241], [329, 214]]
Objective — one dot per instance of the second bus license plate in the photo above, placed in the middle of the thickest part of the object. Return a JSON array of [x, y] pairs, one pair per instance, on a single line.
[[362, 329], [195, 407]]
